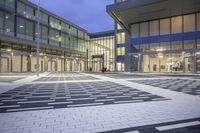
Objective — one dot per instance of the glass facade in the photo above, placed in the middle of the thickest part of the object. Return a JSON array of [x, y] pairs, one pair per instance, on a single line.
[[167, 45], [119, 45], [101, 52], [64, 45]]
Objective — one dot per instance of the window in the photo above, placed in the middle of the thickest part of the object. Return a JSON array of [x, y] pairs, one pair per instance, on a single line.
[[177, 45], [144, 29], [119, 27], [10, 4], [6, 23], [176, 23], [54, 37], [25, 10], [29, 30], [21, 8], [165, 46], [73, 31], [65, 27], [29, 12], [189, 44], [1, 22], [20, 28], [198, 21], [154, 47], [25, 29], [2, 3], [65, 40], [164, 26], [43, 18], [198, 44], [120, 38], [55, 23], [9, 24], [44, 34], [135, 31], [189, 23], [121, 51], [51, 37], [80, 34], [154, 28], [144, 47]]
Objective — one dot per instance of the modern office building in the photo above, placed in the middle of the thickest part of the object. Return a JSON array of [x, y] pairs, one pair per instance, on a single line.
[[161, 35], [64, 46]]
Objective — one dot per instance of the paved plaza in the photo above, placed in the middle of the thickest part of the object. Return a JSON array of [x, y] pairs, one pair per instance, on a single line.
[[100, 102]]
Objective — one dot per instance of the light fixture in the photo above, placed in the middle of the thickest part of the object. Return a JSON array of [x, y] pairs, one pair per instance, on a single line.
[[9, 50], [7, 30], [160, 55], [21, 26], [159, 50], [6, 17]]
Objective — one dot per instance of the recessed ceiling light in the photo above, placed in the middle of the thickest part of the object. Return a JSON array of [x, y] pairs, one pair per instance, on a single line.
[[21, 26]]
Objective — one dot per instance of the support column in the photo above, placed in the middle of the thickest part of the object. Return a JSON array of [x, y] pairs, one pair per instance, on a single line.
[[29, 59]]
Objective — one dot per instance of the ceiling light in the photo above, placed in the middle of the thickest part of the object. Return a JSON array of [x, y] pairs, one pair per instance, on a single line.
[[21, 26], [9, 50]]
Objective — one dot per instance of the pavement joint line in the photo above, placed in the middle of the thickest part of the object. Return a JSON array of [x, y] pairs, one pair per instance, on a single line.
[[180, 125]]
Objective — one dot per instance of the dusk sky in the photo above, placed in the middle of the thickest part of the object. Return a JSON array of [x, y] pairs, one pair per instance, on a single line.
[[88, 14]]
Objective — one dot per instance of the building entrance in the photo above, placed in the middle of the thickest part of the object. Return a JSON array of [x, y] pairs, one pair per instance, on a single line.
[[97, 62]]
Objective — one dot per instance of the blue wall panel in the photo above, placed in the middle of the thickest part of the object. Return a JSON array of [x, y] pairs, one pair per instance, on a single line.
[[166, 38]]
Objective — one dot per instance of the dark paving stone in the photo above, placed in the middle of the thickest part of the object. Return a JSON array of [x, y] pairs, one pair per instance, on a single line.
[[71, 95], [181, 85], [126, 76], [152, 128]]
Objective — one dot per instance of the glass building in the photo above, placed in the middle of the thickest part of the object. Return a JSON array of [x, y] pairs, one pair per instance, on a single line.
[[161, 36], [64, 46], [119, 45], [101, 51]]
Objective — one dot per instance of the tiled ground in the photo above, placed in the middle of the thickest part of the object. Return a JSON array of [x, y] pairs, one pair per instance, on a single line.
[[126, 76], [64, 103], [181, 85], [184, 126], [62, 95], [9, 78], [66, 76]]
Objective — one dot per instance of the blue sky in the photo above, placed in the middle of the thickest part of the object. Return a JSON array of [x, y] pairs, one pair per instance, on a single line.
[[88, 14]]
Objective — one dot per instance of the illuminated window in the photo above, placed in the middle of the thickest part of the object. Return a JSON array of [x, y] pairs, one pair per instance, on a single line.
[[189, 23], [164, 26], [121, 51], [119, 27], [135, 31], [120, 38], [176, 23]]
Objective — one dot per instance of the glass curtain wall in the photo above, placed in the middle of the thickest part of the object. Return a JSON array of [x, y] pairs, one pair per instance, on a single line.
[[171, 48], [101, 48]]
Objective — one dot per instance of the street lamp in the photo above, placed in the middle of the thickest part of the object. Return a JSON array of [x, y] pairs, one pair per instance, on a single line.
[[38, 37]]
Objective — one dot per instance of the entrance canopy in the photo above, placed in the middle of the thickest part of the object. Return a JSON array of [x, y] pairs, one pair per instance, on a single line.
[[134, 11]]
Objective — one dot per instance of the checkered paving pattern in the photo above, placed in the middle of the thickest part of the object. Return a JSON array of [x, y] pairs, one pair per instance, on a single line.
[[184, 126], [62, 95], [126, 76], [66, 78], [181, 85]]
